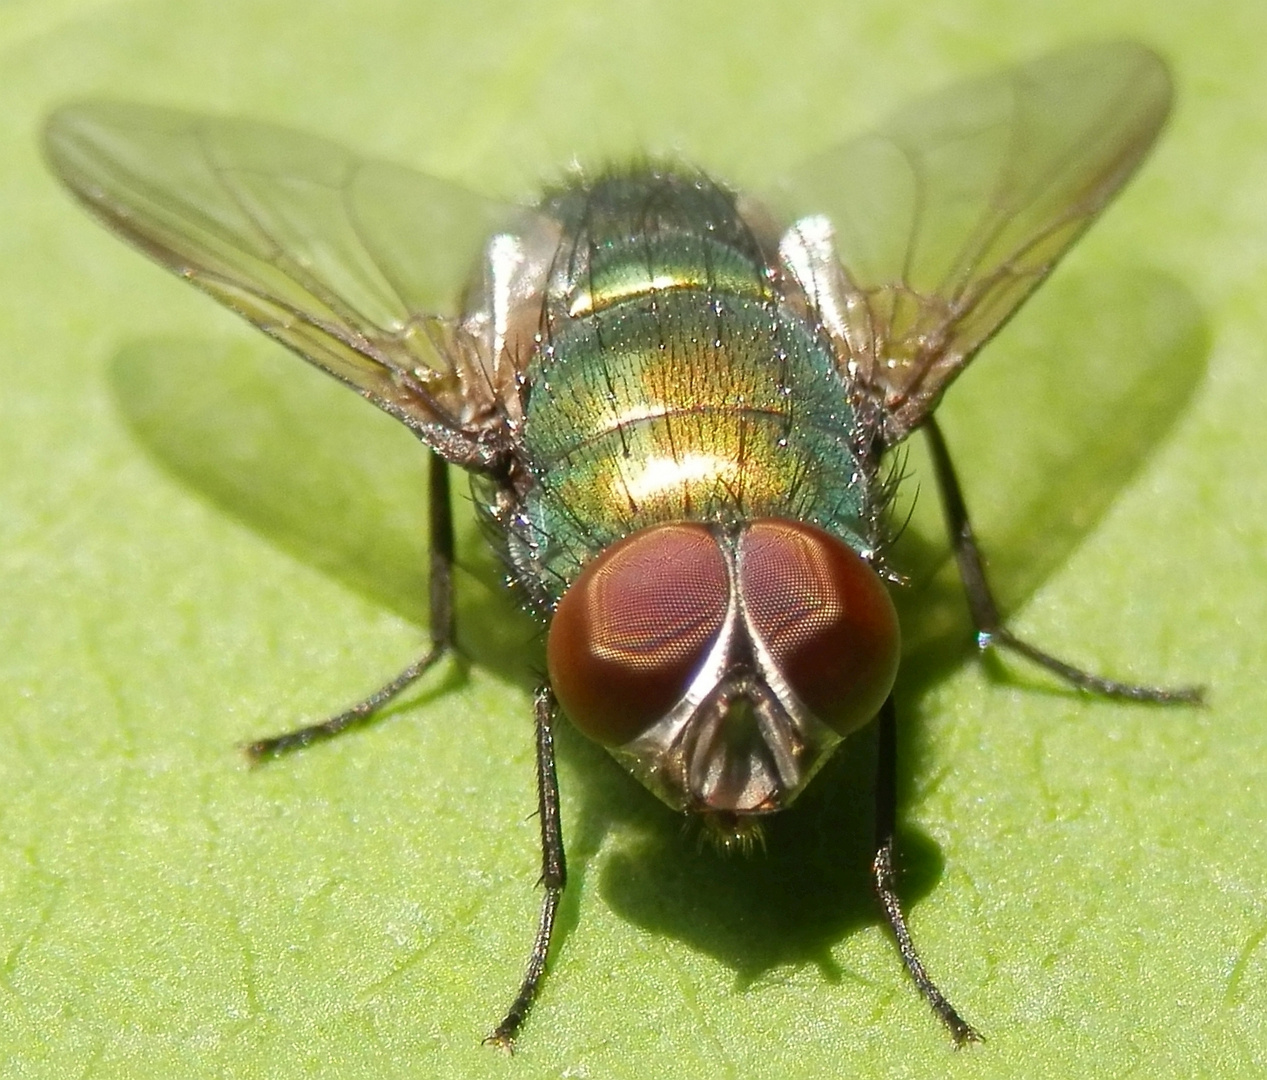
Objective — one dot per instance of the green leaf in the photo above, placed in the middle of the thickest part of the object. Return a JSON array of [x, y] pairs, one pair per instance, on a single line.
[[202, 541]]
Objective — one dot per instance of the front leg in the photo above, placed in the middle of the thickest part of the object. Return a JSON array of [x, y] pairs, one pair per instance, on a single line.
[[553, 873], [883, 877]]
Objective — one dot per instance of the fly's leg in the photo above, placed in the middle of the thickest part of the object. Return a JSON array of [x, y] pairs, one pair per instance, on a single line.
[[985, 612], [440, 586], [553, 873], [882, 877]]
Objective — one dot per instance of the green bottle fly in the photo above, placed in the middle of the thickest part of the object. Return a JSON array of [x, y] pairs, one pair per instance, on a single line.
[[674, 402]]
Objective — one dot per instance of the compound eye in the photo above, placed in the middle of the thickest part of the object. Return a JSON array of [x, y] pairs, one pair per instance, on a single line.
[[824, 616], [634, 627]]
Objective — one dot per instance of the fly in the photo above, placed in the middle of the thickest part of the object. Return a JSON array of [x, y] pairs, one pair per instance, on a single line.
[[674, 401]]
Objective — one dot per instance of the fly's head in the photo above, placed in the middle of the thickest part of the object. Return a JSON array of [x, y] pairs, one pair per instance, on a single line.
[[722, 665]]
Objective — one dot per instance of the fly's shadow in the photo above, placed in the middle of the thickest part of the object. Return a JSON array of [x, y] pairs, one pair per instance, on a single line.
[[1046, 430]]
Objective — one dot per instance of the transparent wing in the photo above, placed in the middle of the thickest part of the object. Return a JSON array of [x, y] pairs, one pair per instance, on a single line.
[[356, 265], [947, 217]]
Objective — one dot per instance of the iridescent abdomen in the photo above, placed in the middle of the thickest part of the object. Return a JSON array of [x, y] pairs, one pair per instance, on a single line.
[[676, 386]]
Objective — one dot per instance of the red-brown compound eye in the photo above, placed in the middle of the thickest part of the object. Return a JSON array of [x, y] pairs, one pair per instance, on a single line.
[[824, 616], [634, 628]]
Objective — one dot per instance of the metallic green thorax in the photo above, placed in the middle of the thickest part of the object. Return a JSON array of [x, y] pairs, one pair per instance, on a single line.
[[675, 382]]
